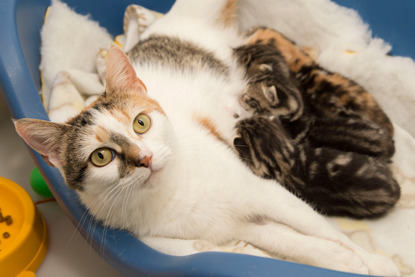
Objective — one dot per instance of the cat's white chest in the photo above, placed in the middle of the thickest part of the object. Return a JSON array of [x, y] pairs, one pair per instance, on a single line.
[[196, 179]]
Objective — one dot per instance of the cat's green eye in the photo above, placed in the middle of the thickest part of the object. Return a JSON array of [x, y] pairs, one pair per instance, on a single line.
[[141, 123], [102, 157]]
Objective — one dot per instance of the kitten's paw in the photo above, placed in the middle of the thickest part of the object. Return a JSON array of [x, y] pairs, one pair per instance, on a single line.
[[382, 266]]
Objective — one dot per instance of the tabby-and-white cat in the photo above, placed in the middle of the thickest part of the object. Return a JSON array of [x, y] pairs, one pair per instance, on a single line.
[[160, 155]]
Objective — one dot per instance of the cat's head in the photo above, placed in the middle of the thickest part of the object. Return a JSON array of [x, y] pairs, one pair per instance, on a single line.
[[121, 139]]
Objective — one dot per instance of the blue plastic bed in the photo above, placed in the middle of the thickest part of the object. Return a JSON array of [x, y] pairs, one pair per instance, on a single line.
[[20, 23]]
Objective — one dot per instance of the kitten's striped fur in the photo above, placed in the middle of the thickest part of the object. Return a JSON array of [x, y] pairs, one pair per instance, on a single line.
[[318, 133], [329, 94]]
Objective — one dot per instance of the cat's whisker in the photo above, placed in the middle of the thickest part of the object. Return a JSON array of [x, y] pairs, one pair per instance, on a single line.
[[99, 203], [76, 233], [85, 216], [122, 192], [124, 205], [118, 192], [130, 188]]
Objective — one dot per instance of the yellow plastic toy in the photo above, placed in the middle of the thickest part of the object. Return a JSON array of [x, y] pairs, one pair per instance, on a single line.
[[23, 232]]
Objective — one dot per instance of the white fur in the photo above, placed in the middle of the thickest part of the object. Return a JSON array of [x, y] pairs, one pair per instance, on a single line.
[[198, 188], [60, 35]]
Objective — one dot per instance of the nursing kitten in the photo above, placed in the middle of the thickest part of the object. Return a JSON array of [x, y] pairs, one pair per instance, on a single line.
[[155, 160], [321, 135]]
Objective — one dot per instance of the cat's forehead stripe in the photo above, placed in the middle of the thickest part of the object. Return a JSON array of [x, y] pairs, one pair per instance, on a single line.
[[101, 134], [127, 116], [121, 116]]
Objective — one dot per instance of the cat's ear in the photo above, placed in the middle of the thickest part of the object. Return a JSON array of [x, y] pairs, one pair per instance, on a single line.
[[121, 76], [44, 137]]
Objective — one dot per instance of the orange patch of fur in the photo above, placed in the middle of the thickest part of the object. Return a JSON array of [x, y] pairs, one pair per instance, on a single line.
[[133, 98], [121, 116], [209, 125], [126, 115], [101, 134], [310, 52], [228, 13], [147, 103], [293, 55], [90, 105]]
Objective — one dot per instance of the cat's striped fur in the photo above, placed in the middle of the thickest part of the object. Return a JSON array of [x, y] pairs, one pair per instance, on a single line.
[[320, 134]]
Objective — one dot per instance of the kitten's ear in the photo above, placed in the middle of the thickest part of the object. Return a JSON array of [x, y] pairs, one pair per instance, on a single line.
[[44, 137], [121, 75], [271, 95]]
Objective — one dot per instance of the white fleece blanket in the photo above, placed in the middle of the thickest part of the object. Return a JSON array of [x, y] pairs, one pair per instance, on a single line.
[[71, 80]]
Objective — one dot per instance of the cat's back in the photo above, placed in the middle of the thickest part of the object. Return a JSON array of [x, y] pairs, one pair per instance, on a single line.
[[203, 23]]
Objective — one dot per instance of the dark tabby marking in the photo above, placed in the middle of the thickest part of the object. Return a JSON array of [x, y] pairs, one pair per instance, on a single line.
[[355, 135], [176, 53], [319, 134], [74, 166], [329, 94], [334, 182], [263, 65]]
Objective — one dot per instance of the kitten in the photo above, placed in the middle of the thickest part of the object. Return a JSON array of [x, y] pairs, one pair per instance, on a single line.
[[319, 134], [334, 182], [157, 150]]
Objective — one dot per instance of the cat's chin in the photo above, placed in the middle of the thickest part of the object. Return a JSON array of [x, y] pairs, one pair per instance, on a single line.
[[148, 176], [153, 179]]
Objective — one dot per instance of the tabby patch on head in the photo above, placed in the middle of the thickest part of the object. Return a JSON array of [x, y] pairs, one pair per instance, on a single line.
[[271, 88], [120, 139]]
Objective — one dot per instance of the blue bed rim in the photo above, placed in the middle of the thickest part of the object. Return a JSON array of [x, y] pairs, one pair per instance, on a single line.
[[20, 23]]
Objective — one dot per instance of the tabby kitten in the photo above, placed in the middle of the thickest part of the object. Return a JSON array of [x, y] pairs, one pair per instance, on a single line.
[[319, 134]]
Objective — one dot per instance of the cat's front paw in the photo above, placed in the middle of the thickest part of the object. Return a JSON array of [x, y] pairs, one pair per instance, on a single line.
[[343, 259], [382, 266]]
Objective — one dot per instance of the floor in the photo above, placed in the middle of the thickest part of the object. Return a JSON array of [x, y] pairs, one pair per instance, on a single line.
[[68, 254]]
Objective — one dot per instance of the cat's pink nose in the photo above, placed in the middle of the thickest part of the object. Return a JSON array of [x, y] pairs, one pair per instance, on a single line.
[[145, 162]]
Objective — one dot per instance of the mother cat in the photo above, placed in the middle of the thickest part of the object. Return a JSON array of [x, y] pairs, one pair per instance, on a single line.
[[153, 156]]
